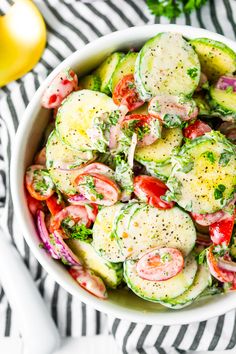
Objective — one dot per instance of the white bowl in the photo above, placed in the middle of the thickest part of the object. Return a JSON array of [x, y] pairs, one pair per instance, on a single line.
[[121, 303]]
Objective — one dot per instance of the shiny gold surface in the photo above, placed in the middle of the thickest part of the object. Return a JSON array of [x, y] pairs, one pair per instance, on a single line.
[[22, 40]]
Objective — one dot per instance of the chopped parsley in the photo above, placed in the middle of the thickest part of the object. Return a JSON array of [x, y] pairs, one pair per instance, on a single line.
[[210, 156], [74, 230], [172, 120], [90, 185], [166, 257], [192, 72], [218, 193], [229, 89], [114, 117], [225, 158], [201, 258]]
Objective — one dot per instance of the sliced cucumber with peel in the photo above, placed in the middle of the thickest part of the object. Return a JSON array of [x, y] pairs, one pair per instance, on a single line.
[[200, 283], [124, 67], [203, 177], [106, 70], [111, 273], [140, 227], [104, 241], [161, 150], [216, 58], [157, 291], [90, 82], [64, 180], [223, 102], [75, 116], [167, 64], [61, 156]]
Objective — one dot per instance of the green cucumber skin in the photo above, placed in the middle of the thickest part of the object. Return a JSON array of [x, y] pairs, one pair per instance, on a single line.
[[215, 45], [221, 142], [220, 106], [90, 82], [103, 70], [121, 69]]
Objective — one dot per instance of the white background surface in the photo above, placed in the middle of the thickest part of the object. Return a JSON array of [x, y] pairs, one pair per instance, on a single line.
[[85, 345]]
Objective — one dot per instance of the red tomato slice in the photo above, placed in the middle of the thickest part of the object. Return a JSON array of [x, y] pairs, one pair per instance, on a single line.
[[53, 205], [150, 189], [97, 188], [208, 219], [40, 157], [38, 182], [160, 264], [89, 281], [33, 204], [172, 106], [92, 210], [60, 87], [220, 274], [76, 213], [97, 167], [125, 93], [221, 231], [141, 123], [198, 128]]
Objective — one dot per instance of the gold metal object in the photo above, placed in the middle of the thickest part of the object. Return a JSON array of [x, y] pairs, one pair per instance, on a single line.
[[22, 40]]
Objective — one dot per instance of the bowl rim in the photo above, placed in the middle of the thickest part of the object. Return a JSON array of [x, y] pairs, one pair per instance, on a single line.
[[188, 315]]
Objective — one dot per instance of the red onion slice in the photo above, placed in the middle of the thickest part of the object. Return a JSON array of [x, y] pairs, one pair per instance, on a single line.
[[44, 235], [203, 239], [227, 264], [78, 199], [226, 81]]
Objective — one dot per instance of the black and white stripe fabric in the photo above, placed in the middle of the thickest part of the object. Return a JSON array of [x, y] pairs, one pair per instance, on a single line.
[[70, 25]]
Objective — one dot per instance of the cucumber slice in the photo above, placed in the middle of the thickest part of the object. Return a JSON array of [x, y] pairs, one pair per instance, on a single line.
[[106, 70], [140, 227], [160, 290], [203, 177], [174, 62], [103, 239], [204, 108], [111, 273], [216, 58], [223, 102], [76, 114], [200, 283], [90, 82], [64, 180], [124, 67], [161, 171], [162, 149], [61, 156]]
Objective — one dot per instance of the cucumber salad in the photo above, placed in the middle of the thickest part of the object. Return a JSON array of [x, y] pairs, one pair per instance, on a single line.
[[134, 183]]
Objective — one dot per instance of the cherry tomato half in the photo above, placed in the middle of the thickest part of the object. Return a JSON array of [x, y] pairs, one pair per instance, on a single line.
[[172, 110], [125, 93], [220, 274], [198, 128], [150, 189], [33, 204], [208, 219], [38, 182], [97, 188], [221, 231], [53, 205], [89, 281], [60, 87], [40, 157], [146, 127], [160, 264], [77, 214]]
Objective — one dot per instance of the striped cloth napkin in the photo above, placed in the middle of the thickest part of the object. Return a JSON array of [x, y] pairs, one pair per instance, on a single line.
[[70, 25]]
